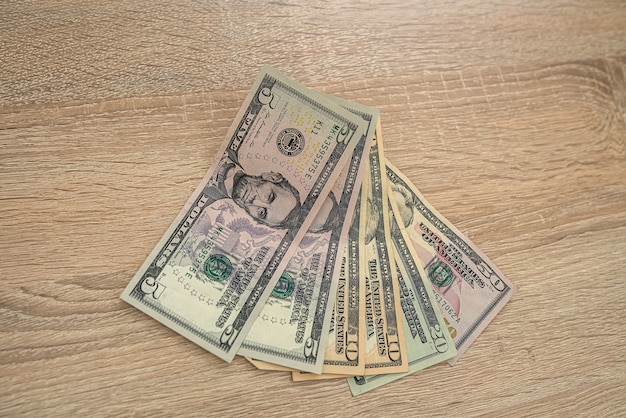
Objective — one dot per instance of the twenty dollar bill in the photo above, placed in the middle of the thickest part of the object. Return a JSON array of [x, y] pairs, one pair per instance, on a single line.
[[469, 288]]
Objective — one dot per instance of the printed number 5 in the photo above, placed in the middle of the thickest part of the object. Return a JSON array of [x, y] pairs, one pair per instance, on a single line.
[[266, 97], [152, 287], [344, 135]]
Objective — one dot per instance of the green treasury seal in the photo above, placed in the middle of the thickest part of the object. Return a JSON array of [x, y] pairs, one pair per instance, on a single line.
[[285, 286], [440, 274], [218, 267]]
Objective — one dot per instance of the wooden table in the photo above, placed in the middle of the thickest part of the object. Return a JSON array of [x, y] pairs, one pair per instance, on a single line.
[[509, 116]]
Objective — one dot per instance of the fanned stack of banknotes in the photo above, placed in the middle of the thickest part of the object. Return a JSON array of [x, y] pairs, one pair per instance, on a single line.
[[304, 249]]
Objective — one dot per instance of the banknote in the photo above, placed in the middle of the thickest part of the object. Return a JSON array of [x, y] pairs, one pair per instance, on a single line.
[[345, 349], [292, 328], [427, 338], [345, 345], [298, 376], [470, 290], [263, 365], [385, 348], [218, 262], [342, 347], [345, 354]]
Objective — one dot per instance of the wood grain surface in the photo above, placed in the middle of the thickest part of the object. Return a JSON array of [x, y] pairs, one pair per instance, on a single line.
[[509, 116]]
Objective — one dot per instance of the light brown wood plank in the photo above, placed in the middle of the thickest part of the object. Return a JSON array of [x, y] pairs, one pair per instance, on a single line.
[[79, 50], [510, 118]]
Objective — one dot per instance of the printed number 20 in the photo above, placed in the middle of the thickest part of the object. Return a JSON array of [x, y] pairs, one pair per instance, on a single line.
[[439, 340]]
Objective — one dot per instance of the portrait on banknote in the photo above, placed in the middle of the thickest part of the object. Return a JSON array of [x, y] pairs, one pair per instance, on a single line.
[[269, 198]]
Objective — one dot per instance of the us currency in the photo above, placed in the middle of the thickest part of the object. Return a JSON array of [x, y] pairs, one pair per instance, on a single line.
[[469, 289], [345, 350], [385, 348], [427, 338], [342, 353], [382, 342], [218, 262], [344, 346], [263, 365], [292, 328]]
